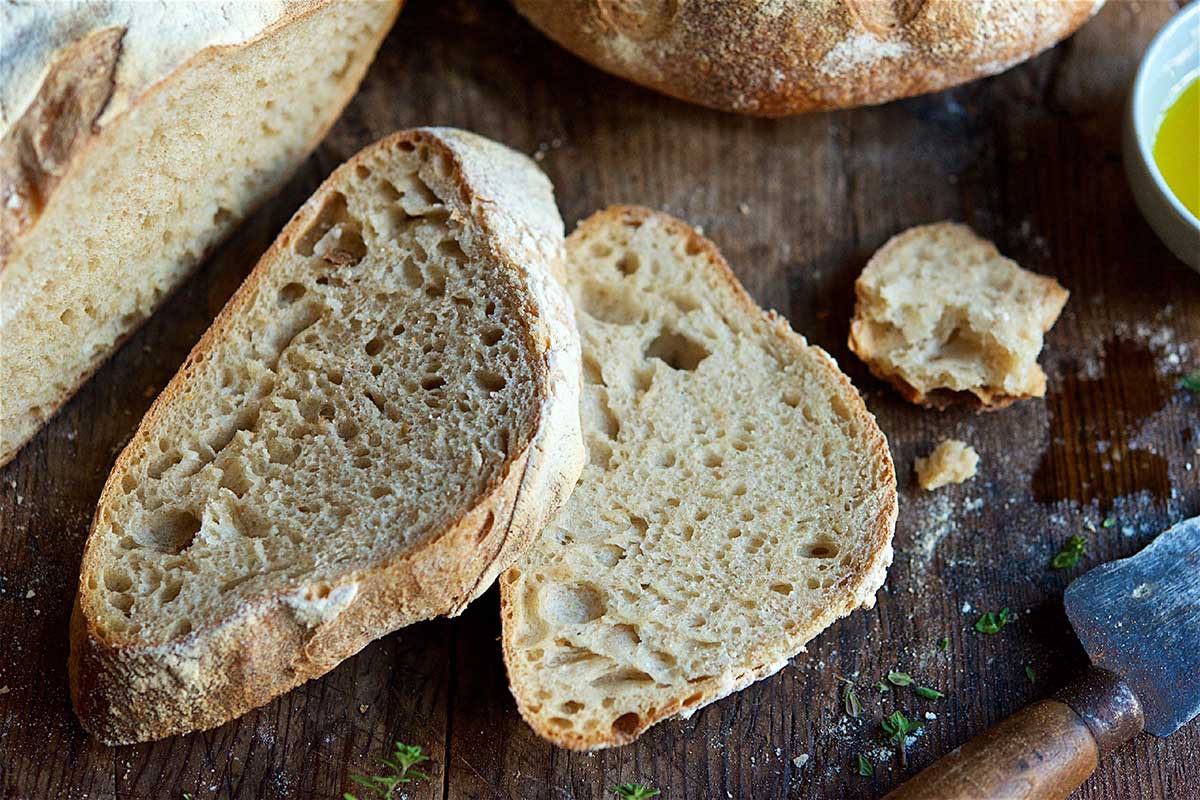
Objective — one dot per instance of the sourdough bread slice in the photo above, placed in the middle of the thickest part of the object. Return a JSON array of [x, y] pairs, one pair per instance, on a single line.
[[738, 497], [384, 414], [946, 319], [134, 136]]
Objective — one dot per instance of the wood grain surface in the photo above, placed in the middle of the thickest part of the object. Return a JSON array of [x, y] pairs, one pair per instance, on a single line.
[[1031, 159]]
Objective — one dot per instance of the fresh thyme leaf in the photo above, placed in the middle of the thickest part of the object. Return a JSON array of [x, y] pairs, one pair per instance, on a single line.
[[850, 698], [1109, 521], [1029, 673], [944, 644], [928, 694], [899, 678], [634, 791], [864, 767], [1069, 555], [402, 764], [898, 727], [991, 623], [1191, 382], [881, 686]]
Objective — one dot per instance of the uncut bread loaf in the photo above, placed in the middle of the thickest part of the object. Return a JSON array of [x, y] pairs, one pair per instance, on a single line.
[[946, 319], [134, 136], [738, 497], [384, 414], [777, 57]]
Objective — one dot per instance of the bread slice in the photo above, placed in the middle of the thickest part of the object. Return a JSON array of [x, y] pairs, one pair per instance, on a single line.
[[738, 497], [945, 318], [384, 414], [134, 137]]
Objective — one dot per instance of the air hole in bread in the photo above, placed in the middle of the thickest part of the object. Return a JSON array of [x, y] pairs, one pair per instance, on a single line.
[[491, 336], [626, 724], [332, 211], [117, 581], [172, 532], [822, 549], [615, 306], [489, 381], [571, 707], [374, 346], [432, 383], [290, 293], [182, 628], [170, 590], [677, 351], [628, 263], [572, 605]]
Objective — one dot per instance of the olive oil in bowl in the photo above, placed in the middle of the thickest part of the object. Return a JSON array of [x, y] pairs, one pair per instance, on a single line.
[[1177, 147]]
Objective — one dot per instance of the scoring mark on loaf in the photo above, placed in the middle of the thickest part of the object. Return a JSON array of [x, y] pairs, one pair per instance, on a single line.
[[885, 16], [39, 146], [638, 19]]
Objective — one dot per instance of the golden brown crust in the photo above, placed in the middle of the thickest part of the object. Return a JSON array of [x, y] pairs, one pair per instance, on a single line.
[[872, 569], [788, 56], [125, 692]]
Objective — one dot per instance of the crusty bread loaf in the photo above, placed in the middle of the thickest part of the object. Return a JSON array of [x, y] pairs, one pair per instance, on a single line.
[[787, 56], [952, 461], [134, 136], [738, 497], [384, 414], [945, 318]]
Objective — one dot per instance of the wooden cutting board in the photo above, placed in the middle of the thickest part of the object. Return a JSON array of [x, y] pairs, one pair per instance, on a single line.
[[1031, 159]]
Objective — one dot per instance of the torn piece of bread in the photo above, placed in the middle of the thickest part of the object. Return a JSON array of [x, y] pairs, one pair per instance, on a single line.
[[738, 497], [134, 137], [952, 461], [944, 318], [381, 418]]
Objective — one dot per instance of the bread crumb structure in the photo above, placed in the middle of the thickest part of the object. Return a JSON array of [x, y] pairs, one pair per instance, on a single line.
[[738, 497], [382, 417], [952, 461], [945, 318]]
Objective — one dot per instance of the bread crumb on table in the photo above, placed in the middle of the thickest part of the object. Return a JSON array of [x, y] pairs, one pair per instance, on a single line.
[[952, 461]]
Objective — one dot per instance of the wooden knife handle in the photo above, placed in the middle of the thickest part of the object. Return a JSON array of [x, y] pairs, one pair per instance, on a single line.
[[1043, 752]]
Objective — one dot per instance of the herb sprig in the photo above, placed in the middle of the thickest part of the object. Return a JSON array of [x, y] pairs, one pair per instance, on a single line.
[[899, 678], [1070, 553], [1191, 382], [928, 694], [898, 727], [864, 766], [403, 764], [634, 791], [991, 623]]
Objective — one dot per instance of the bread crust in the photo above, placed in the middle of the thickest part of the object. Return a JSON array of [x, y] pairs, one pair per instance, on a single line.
[[778, 58], [126, 691], [779, 646], [32, 171]]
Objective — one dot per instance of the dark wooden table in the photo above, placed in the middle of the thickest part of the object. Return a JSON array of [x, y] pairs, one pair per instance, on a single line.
[[1030, 159]]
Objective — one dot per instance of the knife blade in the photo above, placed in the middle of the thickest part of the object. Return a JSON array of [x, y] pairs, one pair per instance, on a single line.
[[1139, 618], [1139, 621]]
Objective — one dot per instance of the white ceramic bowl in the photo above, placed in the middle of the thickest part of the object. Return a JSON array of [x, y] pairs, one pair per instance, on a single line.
[[1170, 64]]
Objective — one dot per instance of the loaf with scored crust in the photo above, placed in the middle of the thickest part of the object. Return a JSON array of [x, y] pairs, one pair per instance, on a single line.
[[377, 423], [778, 57]]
